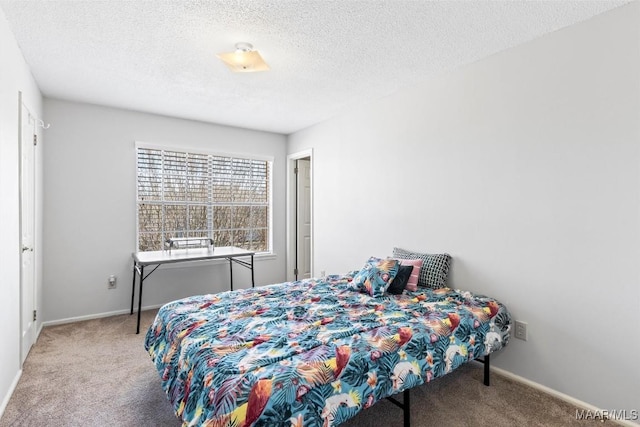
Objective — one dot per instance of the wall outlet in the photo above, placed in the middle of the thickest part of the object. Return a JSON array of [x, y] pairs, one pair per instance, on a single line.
[[520, 331], [112, 283], [323, 274]]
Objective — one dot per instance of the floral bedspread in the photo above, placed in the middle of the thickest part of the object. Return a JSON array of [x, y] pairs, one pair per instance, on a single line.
[[312, 353]]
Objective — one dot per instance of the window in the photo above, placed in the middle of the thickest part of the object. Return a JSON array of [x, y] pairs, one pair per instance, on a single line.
[[189, 194]]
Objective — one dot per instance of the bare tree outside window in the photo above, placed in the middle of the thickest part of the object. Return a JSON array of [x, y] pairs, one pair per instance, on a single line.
[[183, 194]]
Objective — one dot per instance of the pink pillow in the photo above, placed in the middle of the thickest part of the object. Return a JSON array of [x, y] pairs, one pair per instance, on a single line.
[[412, 284]]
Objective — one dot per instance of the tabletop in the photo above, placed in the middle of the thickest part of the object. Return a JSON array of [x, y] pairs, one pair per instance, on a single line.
[[195, 254]]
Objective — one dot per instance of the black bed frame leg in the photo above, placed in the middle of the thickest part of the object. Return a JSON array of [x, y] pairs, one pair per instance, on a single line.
[[406, 409], [405, 405], [487, 377]]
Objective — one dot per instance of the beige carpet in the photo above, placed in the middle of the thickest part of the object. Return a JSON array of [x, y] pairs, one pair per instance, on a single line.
[[97, 373]]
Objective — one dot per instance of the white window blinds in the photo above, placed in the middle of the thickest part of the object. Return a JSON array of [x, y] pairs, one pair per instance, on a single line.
[[184, 194]]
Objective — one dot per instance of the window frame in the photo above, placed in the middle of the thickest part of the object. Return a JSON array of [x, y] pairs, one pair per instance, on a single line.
[[204, 151]]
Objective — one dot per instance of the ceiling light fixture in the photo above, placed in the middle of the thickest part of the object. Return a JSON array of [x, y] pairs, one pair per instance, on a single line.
[[244, 59]]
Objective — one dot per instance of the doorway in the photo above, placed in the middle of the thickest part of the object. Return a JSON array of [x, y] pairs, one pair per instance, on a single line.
[[27, 148], [303, 219], [300, 216]]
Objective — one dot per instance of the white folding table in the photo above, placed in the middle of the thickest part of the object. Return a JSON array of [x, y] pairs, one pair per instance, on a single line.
[[157, 258]]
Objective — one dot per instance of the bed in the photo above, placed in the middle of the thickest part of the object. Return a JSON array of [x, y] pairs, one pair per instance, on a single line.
[[314, 352]]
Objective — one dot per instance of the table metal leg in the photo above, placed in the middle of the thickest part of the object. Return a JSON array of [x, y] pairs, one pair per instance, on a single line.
[[253, 282], [133, 287], [140, 298], [231, 272]]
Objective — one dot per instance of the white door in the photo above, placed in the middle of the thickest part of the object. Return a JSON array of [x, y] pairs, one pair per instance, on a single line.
[[27, 230], [303, 219]]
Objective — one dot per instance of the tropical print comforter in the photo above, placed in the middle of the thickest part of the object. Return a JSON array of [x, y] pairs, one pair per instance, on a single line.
[[312, 352]]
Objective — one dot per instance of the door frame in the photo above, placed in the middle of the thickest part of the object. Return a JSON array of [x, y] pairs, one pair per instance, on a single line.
[[291, 211]]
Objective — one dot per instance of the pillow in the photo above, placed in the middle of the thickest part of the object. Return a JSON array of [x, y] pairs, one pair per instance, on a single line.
[[357, 283], [374, 284], [416, 264], [398, 284], [378, 272], [435, 267]]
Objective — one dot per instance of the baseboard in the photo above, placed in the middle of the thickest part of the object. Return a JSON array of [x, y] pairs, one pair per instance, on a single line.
[[12, 388], [95, 316], [38, 332], [569, 399]]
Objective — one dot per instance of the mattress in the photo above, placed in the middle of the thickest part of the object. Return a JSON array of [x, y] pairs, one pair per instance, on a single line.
[[313, 352]]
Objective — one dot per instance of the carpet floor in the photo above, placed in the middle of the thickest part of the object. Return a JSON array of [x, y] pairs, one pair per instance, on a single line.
[[97, 373]]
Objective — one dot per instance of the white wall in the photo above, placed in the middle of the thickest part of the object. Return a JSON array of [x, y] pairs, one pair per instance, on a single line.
[[15, 76], [90, 223], [525, 167]]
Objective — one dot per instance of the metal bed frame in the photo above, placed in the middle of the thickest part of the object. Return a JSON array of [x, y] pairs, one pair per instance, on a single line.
[[405, 405]]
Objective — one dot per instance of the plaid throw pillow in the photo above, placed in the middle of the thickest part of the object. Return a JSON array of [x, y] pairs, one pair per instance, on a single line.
[[434, 270]]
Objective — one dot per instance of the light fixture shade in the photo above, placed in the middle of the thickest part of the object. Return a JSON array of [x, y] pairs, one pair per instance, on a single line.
[[244, 60]]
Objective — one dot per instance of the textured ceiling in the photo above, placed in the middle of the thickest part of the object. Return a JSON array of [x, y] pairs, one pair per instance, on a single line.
[[325, 56]]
